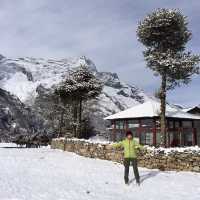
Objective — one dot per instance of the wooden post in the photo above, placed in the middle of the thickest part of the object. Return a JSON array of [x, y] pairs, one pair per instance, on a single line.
[[139, 130], [180, 133], [154, 133], [125, 128], [126, 125], [194, 135], [114, 130]]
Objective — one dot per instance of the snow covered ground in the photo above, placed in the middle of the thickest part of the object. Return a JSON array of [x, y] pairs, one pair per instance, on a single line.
[[47, 174]]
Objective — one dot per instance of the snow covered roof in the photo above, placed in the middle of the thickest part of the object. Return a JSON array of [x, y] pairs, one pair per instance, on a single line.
[[151, 108], [191, 108]]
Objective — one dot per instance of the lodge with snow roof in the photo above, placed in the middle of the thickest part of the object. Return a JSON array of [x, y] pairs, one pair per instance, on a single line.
[[193, 110], [183, 128]]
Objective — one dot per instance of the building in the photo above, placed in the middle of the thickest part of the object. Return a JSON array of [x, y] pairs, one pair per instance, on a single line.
[[183, 129], [194, 110]]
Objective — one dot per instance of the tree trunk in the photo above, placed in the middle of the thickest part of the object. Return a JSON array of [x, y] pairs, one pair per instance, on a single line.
[[61, 123], [80, 119], [75, 110], [163, 110]]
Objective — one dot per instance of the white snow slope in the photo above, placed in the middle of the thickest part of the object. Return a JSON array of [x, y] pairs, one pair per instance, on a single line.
[[46, 174], [22, 76]]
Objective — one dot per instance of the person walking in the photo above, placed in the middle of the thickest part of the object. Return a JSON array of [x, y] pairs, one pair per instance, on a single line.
[[130, 146]]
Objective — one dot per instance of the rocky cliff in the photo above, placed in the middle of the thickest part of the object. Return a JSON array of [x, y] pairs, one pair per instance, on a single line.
[[17, 118], [22, 76]]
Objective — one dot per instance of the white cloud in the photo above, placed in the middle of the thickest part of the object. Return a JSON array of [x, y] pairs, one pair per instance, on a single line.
[[104, 30]]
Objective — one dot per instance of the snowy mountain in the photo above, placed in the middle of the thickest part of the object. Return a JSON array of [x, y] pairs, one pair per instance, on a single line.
[[16, 117], [22, 76]]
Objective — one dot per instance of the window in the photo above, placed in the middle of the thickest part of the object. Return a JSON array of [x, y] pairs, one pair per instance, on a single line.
[[187, 124], [133, 123], [147, 123], [171, 124], [158, 137], [133, 127], [188, 137], [197, 127], [197, 124], [119, 124], [174, 139], [177, 124], [146, 138]]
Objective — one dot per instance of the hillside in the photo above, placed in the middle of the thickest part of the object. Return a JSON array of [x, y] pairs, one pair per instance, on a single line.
[[22, 76], [17, 118]]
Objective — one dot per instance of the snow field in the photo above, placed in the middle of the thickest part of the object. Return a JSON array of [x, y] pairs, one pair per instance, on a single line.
[[47, 174]]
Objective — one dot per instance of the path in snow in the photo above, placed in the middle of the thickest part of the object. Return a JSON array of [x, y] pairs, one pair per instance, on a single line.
[[46, 174]]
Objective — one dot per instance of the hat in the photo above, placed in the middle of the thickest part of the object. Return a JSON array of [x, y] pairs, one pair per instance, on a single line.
[[129, 133]]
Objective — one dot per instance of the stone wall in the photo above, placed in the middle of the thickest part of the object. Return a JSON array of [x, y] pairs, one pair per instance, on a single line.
[[179, 159]]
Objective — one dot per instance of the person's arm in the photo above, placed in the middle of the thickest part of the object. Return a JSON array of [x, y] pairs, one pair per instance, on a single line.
[[118, 144]]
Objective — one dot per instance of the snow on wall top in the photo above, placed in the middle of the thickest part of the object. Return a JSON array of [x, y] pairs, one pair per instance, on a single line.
[[151, 108], [99, 141]]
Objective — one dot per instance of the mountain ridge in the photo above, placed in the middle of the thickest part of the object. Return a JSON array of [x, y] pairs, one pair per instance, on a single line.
[[29, 73], [22, 77]]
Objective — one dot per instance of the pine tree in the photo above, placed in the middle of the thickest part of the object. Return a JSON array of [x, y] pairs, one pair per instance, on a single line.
[[80, 86], [165, 35], [57, 118]]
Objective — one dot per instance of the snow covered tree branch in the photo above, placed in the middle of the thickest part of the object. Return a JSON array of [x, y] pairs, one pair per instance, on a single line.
[[79, 86]]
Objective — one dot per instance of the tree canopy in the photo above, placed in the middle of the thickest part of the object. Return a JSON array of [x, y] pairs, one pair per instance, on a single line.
[[165, 34], [80, 84]]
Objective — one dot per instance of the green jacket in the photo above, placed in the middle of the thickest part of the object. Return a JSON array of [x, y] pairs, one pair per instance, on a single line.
[[130, 147]]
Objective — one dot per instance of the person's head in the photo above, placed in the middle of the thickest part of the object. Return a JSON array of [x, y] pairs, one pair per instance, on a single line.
[[129, 135]]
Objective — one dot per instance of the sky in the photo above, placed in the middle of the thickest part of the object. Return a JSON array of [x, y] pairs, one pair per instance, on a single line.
[[102, 30]]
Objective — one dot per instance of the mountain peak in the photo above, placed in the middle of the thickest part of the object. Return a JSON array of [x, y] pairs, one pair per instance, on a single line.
[[1, 57], [83, 60], [28, 78], [22, 76]]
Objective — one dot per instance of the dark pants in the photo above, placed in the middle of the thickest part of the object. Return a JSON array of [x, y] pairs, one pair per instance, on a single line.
[[127, 163]]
